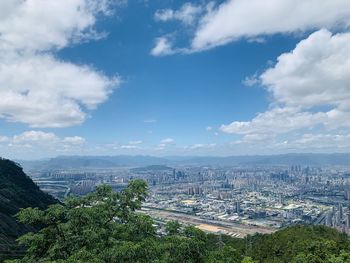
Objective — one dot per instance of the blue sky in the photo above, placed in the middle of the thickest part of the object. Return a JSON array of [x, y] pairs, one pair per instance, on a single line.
[[173, 78]]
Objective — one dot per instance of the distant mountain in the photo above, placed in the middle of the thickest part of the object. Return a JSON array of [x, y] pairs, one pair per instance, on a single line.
[[78, 162], [17, 191], [312, 159]]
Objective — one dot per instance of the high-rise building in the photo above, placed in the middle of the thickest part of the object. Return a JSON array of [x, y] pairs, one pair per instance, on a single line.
[[238, 207], [340, 208], [328, 219], [347, 192], [198, 190], [348, 220]]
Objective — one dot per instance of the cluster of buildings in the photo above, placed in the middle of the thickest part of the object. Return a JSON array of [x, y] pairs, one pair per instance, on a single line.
[[256, 196]]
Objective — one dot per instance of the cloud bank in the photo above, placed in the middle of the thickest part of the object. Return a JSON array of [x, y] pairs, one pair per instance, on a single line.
[[36, 87], [310, 89], [232, 20]]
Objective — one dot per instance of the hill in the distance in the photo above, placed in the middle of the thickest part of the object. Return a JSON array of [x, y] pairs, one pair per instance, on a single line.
[[76, 162], [17, 191]]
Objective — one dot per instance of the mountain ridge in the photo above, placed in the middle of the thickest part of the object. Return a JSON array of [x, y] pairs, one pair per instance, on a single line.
[[75, 162]]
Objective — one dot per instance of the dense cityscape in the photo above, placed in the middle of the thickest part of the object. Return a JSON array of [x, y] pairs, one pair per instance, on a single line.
[[236, 200]]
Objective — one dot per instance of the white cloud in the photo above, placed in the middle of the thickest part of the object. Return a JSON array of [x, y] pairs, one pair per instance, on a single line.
[[167, 141], [37, 144], [37, 88], [235, 19], [209, 128], [309, 142], [251, 81], [253, 19], [315, 73], [38, 25], [310, 91], [4, 139], [128, 147], [45, 138], [200, 146], [44, 92], [36, 137], [283, 120], [187, 14], [135, 142], [164, 15], [258, 137], [323, 141], [75, 140], [163, 47]]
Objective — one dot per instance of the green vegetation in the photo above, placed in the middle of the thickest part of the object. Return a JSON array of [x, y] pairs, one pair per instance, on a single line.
[[16, 191], [105, 227]]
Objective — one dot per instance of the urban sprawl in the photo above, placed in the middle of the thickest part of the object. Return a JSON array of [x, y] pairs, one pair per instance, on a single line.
[[236, 201]]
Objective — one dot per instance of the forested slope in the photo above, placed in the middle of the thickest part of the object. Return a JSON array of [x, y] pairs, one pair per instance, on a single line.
[[17, 191]]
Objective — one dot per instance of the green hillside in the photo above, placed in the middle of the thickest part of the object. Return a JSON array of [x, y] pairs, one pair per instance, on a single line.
[[105, 227], [16, 191]]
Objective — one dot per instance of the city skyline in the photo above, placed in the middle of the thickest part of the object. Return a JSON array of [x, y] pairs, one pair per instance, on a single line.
[[173, 77]]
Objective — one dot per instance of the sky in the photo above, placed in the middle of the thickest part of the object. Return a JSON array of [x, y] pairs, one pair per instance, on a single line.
[[167, 77]]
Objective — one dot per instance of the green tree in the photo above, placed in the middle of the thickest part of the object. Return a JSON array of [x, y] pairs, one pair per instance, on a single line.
[[248, 260], [88, 226], [105, 227], [172, 227]]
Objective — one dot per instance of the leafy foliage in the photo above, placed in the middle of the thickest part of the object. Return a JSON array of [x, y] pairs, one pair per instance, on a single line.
[[298, 244], [106, 227]]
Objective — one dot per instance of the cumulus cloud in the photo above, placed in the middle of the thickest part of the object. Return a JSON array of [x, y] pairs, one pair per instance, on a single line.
[[323, 141], [38, 25], [38, 144], [163, 46], [232, 20], [35, 137], [187, 14], [37, 88], [235, 19], [315, 73], [283, 120], [44, 92], [40, 137], [75, 140], [310, 90], [251, 81]]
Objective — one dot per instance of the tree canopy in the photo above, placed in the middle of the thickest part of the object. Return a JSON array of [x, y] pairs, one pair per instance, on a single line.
[[107, 226]]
